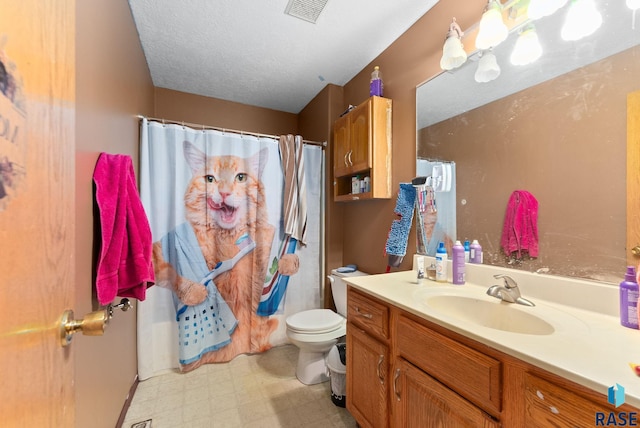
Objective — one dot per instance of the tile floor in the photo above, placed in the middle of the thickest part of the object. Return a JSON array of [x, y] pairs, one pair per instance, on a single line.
[[250, 391]]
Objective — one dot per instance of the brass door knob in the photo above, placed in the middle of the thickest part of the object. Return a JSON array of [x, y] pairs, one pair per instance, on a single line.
[[93, 324], [636, 251]]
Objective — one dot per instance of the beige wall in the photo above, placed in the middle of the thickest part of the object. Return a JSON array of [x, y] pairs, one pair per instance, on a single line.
[[113, 86]]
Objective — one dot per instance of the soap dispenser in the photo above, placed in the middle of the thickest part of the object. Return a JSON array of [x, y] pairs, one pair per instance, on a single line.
[[629, 299]]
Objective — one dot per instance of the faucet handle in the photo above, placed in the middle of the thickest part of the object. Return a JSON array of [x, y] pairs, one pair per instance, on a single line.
[[508, 281]]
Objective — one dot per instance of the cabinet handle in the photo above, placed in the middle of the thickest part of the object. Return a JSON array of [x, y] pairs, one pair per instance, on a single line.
[[350, 161], [363, 314], [395, 384], [346, 162], [380, 361]]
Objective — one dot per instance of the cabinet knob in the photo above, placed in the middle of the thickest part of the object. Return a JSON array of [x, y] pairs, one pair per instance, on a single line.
[[636, 251]]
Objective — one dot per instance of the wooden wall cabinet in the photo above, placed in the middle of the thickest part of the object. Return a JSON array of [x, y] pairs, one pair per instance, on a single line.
[[403, 371], [362, 148]]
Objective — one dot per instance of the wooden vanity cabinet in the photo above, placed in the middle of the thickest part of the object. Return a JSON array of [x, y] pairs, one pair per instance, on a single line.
[[362, 147], [367, 360], [404, 371]]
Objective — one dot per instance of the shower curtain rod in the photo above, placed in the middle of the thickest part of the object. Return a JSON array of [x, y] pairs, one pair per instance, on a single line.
[[254, 134]]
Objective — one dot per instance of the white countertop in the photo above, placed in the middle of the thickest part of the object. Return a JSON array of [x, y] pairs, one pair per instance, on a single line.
[[588, 345]]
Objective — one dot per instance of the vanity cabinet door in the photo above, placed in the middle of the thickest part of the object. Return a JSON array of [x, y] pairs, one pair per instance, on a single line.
[[420, 401], [367, 378], [547, 404]]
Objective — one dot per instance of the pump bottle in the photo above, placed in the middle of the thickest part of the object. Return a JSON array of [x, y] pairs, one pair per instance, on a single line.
[[629, 299], [376, 86]]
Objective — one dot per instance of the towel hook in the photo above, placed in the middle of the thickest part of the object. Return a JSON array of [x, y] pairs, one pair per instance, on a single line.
[[124, 306]]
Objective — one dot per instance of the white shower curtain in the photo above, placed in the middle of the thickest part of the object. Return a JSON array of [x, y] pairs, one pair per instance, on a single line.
[[172, 159]]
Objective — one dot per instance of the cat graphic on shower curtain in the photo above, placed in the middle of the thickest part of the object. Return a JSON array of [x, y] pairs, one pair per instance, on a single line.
[[227, 224]]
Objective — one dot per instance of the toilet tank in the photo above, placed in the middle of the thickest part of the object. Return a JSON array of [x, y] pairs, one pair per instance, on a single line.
[[339, 289]]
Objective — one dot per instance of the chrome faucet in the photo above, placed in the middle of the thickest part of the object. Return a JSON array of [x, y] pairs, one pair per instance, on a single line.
[[509, 292]]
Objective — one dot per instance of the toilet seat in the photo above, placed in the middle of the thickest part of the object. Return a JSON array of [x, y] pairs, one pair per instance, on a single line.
[[314, 321]]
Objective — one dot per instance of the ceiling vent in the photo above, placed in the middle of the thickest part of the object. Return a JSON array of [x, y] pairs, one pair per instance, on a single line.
[[307, 10]]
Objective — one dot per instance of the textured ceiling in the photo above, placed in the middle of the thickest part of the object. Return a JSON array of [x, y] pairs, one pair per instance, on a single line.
[[251, 52]]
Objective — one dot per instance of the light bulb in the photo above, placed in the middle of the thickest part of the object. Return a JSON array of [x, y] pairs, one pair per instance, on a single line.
[[539, 8], [633, 4], [583, 19], [493, 30], [488, 68], [527, 48], [453, 53]]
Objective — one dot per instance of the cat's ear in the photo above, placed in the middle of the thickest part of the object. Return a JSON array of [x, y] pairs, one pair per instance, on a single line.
[[259, 160], [196, 159]]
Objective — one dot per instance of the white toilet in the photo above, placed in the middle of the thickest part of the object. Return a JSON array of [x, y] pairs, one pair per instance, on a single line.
[[316, 331]]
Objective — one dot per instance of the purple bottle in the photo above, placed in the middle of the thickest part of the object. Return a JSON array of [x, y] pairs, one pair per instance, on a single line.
[[629, 299], [376, 87], [475, 254], [457, 263]]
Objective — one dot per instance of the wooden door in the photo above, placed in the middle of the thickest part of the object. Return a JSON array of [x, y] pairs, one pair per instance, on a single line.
[[361, 135], [633, 178], [422, 402], [367, 378], [37, 193]]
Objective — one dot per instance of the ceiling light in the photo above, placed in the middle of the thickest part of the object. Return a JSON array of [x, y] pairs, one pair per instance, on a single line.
[[527, 48], [493, 30], [488, 68], [582, 20], [453, 54], [539, 8]]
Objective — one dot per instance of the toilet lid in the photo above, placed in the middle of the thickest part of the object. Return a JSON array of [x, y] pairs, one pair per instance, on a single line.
[[315, 320]]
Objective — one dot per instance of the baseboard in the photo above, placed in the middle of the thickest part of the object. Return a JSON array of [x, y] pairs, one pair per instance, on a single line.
[[127, 402]]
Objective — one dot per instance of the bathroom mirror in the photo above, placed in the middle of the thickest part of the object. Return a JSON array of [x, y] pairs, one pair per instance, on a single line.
[[555, 128]]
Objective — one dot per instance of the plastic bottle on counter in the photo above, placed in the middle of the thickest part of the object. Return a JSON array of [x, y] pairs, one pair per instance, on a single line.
[[475, 252], [441, 263], [457, 263], [376, 86], [467, 251], [367, 184], [629, 299]]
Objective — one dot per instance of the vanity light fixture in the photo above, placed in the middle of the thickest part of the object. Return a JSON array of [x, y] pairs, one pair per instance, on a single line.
[[492, 30], [539, 8], [582, 20], [453, 53], [488, 68], [527, 48]]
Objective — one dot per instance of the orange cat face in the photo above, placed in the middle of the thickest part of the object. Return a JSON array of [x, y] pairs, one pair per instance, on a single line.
[[223, 189]]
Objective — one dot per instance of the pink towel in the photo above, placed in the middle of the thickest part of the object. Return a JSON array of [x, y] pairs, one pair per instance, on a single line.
[[520, 230], [124, 267]]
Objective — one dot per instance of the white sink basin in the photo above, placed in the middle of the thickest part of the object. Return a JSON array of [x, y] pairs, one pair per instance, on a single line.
[[494, 314]]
